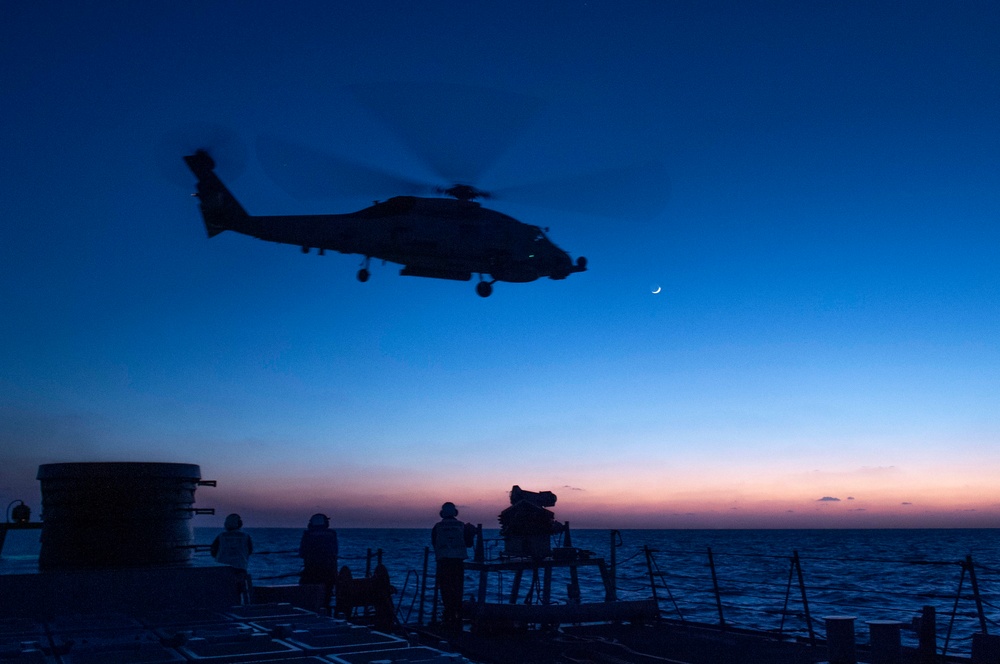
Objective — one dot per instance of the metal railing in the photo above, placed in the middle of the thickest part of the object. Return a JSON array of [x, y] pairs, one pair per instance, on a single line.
[[769, 593]]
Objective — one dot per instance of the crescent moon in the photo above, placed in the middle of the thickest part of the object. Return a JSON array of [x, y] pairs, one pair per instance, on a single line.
[[657, 290]]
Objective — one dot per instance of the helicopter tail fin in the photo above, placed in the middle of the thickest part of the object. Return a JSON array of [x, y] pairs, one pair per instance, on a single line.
[[219, 208]]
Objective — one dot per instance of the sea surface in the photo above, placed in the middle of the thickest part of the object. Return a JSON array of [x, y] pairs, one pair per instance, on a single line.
[[869, 574], [781, 580]]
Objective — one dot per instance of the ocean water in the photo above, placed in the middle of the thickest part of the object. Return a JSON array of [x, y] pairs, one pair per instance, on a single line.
[[869, 574]]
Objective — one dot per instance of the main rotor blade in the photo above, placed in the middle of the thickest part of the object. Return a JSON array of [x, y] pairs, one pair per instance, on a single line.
[[637, 192], [459, 131], [308, 173]]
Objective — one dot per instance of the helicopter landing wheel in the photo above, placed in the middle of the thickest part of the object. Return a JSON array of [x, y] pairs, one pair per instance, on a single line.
[[484, 289], [363, 275]]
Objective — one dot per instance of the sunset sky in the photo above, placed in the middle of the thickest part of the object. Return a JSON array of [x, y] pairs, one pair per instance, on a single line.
[[814, 189]]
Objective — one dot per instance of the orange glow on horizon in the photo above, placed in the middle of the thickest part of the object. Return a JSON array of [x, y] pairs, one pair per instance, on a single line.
[[866, 497]]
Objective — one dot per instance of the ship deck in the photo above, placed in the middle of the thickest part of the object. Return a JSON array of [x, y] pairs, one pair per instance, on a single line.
[[653, 642]]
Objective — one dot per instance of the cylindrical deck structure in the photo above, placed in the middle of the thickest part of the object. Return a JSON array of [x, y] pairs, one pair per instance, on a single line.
[[116, 514]]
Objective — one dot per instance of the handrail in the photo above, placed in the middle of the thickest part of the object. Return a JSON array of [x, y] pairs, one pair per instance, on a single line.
[[726, 593], [805, 600], [715, 587]]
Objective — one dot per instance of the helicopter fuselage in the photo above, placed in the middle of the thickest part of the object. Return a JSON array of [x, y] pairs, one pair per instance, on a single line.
[[435, 237], [430, 237]]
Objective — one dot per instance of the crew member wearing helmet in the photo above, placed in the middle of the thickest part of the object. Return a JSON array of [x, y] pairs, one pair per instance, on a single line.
[[318, 550], [233, 547], [451, 539]]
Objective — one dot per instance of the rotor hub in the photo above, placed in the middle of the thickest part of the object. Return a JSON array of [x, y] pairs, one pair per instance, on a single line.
[[464, 192]]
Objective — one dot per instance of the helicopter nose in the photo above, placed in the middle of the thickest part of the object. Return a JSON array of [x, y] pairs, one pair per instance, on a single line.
[[567, 267], [562, 266]]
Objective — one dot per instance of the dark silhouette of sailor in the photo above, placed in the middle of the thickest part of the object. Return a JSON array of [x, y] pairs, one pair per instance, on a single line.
[[451, 539], [319, 550], [233, 546]]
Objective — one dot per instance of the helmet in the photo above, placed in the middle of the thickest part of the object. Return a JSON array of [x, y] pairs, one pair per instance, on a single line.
[[319, 521], [234, 522], [448, 510]]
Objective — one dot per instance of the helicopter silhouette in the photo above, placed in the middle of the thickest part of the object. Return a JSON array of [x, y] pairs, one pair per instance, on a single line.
[[440, 238]]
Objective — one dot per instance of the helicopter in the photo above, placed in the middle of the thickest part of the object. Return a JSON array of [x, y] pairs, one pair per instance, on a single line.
[[447, 237]]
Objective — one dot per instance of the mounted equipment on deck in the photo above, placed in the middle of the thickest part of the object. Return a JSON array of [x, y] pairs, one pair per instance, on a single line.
[[526, 526]]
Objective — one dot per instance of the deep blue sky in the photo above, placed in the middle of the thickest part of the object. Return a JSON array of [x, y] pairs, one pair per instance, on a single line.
[[827, 254]]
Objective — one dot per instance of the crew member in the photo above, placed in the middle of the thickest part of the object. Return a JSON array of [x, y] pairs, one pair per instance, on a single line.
[[451, 539], [318, 550], [233, 547]]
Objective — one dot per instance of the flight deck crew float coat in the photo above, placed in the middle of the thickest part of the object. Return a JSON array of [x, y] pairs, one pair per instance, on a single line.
[[449, 540], [233, 547]]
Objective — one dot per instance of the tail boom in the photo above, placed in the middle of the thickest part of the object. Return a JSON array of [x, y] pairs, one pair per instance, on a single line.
[[219, 208]]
